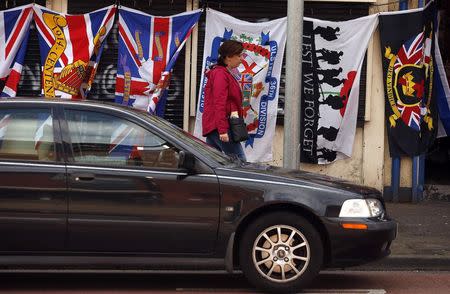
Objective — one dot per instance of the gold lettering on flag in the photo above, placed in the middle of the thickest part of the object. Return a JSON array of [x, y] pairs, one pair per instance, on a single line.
[[126, 87], [139, 45], [390, 91], [55, 23], [428, 118]]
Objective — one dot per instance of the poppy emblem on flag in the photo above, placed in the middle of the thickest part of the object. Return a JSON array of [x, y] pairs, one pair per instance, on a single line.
[[409, 71]]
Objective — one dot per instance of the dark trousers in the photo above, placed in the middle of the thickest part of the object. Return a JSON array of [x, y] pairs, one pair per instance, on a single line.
[[230, 148]]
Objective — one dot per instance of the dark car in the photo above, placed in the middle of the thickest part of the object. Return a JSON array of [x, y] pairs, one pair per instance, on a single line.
[[86, 185]]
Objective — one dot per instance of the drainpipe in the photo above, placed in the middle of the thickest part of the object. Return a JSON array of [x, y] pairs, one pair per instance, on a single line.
[[291, 143]]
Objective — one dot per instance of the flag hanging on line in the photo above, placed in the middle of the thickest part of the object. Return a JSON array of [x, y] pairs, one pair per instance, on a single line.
[[258, 75], [14, 31], [148, 48], [408, 51], [332, 57], [71, 46]]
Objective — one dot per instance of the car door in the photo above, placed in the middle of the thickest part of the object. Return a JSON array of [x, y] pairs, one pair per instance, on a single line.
[[33, 203], [127, 194]]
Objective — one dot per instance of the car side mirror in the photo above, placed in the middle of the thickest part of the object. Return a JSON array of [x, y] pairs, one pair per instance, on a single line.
[[186, 161]]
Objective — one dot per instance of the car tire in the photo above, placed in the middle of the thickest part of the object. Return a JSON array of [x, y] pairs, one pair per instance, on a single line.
[[263, 257]]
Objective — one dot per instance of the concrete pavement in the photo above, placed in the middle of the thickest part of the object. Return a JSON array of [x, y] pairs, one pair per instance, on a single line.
[[423, 241]]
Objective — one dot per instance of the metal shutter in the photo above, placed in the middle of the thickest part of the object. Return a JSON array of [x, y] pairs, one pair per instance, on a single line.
[[105, 81], [264, 10]]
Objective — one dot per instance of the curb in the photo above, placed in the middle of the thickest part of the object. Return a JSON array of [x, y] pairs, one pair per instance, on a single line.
[[408, 262]]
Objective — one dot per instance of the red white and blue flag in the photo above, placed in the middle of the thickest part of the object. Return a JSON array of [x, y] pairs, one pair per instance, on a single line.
[[148, 48], [14, 30], [409, 72], [411, 52], [71, 46]]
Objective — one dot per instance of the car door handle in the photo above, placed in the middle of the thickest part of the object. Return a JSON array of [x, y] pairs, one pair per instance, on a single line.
[[84, 177]]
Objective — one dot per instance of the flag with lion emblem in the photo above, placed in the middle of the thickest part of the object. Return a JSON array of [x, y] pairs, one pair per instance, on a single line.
[[408, 48], [71, 46]]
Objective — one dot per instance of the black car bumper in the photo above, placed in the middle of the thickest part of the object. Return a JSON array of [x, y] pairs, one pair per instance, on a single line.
[[349, 247]]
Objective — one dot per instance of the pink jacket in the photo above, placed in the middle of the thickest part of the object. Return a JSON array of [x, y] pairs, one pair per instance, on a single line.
[[222, 96]]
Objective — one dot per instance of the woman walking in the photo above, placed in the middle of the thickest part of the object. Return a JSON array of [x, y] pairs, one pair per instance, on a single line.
[[223, 99]]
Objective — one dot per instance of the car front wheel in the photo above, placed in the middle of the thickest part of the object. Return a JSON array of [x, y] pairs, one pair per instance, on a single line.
[[280, 252]]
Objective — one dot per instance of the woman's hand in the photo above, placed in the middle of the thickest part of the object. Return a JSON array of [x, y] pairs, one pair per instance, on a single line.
[[224, 137]]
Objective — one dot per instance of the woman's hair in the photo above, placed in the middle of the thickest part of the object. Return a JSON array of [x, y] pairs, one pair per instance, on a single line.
[[227, 49]]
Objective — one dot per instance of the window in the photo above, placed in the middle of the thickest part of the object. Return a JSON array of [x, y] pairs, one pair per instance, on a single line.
[[27, 134], [103, 139]]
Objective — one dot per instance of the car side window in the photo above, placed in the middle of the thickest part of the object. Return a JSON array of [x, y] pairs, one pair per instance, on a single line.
[[103, 139], [27, 134]]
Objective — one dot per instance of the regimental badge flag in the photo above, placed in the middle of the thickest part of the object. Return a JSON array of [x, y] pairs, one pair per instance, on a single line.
[[407, 48], [14, 30], [71, 46], [258, 75], [148, 48], [332, 57]]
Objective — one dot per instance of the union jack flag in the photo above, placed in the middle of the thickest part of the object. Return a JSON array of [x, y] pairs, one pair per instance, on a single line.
[[415, 51], [14, 30], [411, 52], [148, 48], [410, 115], [71, 46]]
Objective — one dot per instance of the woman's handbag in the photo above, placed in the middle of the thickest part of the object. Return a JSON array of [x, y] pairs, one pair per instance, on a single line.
[[238, 129]]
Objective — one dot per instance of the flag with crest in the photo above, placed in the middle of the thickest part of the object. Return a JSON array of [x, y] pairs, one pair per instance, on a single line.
[[408, 53], [258, 75], [71, 46], [14, 31], [148, 48]]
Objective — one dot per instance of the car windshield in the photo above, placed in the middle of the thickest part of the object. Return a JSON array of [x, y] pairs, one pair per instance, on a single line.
[[187, 138]]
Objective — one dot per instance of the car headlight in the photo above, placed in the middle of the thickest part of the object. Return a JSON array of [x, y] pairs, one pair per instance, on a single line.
[[361, 208]]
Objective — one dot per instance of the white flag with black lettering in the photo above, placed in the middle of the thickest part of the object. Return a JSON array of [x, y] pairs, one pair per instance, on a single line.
[[333, 54]]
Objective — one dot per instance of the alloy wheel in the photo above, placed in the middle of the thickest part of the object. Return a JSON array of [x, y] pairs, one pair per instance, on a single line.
[[281, 253]]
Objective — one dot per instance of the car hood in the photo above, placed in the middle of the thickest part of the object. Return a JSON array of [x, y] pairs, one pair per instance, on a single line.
[[279, 174]]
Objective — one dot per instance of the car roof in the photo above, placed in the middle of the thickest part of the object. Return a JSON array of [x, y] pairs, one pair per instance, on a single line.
[[55, 100], [43, 100]]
